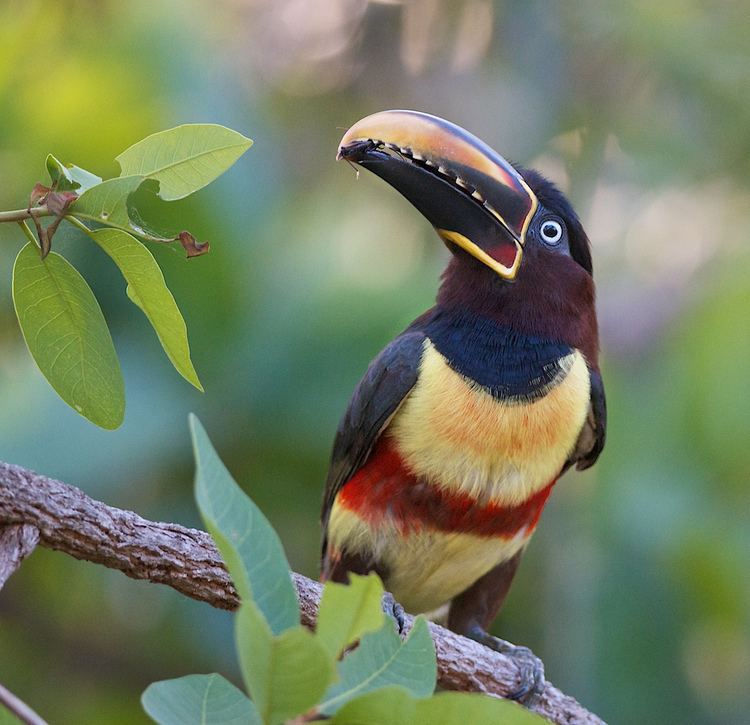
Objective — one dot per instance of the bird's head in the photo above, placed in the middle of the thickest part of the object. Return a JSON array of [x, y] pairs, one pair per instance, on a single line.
[[507, 221]]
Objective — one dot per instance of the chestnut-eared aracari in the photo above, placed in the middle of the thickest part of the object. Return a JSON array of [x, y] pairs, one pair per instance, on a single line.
[[459, 429]]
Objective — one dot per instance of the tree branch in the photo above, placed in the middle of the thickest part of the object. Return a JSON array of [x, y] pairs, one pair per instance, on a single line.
[[17, 541], [186, 559]]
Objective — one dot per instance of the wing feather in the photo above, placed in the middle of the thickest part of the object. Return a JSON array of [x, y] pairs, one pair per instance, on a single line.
[[591, 441], [377, 397]]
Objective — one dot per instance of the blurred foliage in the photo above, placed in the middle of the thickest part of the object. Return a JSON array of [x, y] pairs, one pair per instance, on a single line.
[[635, 590]]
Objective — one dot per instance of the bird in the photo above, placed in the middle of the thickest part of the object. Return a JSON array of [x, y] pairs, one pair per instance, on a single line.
[[455, 436]]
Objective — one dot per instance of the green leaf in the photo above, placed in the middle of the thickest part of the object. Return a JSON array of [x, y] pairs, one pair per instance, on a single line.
[[198, 700], [250, 547], [184, 159], [59, 175], [70, 178], [67, 336], [106, 203], [459, 708], [254, 643], [382, 659], [285, 675], [84, 179], [148, 290], [396, 706], [349, 611]]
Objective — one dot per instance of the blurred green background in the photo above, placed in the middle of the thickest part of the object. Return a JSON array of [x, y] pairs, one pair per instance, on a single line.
[[636, 590]]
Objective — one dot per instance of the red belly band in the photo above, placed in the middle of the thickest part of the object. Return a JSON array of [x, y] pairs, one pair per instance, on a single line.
[[385, 488]]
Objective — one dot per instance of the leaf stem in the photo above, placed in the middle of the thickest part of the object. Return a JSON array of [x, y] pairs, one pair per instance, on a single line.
[[28, 233], [77, 223], [19, 215]]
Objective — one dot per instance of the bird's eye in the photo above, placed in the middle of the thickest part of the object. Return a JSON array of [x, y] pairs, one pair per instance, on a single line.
[[551, 232]]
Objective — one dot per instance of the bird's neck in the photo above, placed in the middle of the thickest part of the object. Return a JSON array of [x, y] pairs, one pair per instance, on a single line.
[[551, 304]]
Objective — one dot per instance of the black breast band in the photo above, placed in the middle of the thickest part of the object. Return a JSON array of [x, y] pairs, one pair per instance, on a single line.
[[510, 365]]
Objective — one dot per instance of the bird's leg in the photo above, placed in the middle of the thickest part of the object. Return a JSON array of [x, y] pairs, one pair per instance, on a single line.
[[530, 667], [394, 610], [472, 612]]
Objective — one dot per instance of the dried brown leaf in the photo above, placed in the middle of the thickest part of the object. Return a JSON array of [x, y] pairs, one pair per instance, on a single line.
[[192, 246]]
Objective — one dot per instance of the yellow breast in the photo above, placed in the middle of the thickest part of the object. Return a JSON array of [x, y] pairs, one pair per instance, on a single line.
[[458, 436]]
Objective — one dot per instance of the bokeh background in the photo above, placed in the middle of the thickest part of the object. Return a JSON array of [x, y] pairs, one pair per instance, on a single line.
[[636, 590]]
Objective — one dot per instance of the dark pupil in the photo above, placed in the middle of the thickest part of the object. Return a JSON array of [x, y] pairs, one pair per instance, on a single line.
[[549, 230]]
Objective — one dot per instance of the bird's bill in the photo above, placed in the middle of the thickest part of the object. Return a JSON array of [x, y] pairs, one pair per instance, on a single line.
[[472, 196]]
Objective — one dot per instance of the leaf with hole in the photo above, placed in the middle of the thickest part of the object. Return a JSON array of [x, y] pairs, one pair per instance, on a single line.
[[111, 203], [198, 700], [67, 336], [184, 159], [148, 290], [106, 203]]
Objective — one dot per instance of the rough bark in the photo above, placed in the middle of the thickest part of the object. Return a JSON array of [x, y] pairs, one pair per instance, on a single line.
[[17, 541], [186, 559]]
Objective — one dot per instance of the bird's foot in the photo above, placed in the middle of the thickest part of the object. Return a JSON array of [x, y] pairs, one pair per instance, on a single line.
[[394, 610], [530, 667]]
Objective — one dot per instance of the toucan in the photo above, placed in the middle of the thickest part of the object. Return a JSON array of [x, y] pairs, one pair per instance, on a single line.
[[457, 432]]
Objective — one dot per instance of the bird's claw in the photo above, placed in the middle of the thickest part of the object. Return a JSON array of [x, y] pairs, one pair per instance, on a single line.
[[531, 672], [394, 610], [530, 667]]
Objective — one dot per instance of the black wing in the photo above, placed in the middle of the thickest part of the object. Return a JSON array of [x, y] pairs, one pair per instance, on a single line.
[[591, 441], [388, 380]]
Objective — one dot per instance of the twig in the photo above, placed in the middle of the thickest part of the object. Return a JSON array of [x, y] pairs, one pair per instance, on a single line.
[[187, 560], [19, 708], [19, 215]]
